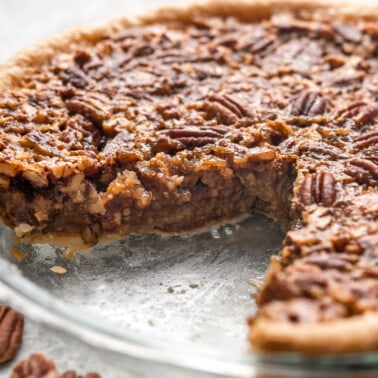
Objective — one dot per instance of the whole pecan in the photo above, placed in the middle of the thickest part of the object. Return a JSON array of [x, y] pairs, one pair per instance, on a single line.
[[319, 188], [196, 136], [36, 366], [11, 329], [366, 139], [225, 109], [308, 103]]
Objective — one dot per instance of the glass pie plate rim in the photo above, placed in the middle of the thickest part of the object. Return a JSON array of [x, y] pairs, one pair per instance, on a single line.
[[40, 305]]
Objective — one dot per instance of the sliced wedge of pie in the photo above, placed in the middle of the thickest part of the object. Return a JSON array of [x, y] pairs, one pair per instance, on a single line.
[[196, 116]]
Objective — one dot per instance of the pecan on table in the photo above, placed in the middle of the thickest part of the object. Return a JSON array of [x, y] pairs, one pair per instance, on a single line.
[[308, 103], [319, 188], [11, 329], [36, 366]]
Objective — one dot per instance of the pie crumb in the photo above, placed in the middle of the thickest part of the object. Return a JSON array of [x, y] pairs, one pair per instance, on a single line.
[[58, 269]]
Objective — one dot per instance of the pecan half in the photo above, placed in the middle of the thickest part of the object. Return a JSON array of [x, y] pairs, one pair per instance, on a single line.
[[121, 147], [225, 109], [359, 111], [74, 76], [193, 136], [367, 165], [320, 150], [11, 329], [319, 188], [367, 139], [261, 45], [286, 23], [308, 103], [347, 78], [36, 366], [94, 107], [349, 111], [366, 115]]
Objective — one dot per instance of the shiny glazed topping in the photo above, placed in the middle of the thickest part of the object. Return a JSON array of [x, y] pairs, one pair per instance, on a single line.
[[216, 112]]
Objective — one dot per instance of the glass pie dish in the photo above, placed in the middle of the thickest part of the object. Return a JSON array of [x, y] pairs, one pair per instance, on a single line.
[[162, 306]]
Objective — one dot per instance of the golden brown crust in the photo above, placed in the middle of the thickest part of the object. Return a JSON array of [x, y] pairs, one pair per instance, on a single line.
[[351, 335], [356, 334]]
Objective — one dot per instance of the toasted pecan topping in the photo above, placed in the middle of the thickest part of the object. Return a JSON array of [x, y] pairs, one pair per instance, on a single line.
[[308, 103], [170, 127], [367, 139], [367, 165], [318, 188]]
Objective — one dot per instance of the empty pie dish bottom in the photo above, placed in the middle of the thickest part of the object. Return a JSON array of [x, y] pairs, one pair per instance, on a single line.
[[162, 306]]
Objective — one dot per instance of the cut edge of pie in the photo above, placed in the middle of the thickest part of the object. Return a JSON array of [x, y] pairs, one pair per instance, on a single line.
[[358, 333]]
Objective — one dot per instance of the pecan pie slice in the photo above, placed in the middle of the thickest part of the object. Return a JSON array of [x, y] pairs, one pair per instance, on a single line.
[[194, 116]]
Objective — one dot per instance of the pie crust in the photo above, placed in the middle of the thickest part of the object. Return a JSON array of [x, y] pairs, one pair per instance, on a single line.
[[315, 191]]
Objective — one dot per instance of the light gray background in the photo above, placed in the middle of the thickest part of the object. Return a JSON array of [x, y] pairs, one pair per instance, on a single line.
[[23, 22]]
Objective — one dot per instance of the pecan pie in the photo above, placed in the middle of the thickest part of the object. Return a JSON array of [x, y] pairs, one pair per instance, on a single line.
[[195, 116]]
